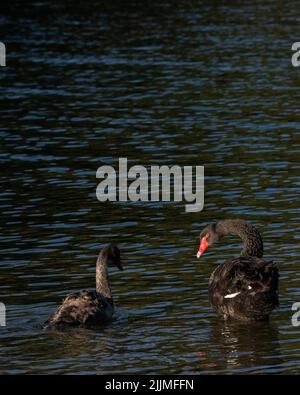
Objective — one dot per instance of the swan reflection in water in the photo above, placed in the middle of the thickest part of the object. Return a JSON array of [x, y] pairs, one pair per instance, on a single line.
[[239, 347]]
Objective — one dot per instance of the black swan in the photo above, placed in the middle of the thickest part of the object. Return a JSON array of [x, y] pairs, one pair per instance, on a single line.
[[245, 288], [89, 307]]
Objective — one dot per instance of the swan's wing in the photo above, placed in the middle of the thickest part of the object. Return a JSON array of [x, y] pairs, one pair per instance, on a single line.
[[80, 308], [256, 275], [252, 279]]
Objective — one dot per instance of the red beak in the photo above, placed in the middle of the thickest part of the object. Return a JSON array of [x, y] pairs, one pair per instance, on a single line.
[[203, 246]]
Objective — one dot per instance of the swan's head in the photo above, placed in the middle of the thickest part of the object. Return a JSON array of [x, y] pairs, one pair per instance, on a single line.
[[208, 236], [113, 255]]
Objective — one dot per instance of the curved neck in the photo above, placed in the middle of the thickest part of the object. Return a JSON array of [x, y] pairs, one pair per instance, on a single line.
[[253, 244], [102, 284]]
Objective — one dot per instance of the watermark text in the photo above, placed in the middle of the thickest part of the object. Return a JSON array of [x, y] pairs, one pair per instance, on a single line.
[[296, 316], [2, 314], [152, 185], [296, 56], [2, 54]]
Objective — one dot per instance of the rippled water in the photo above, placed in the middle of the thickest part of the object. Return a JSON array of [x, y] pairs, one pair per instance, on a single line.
[[184, 84]]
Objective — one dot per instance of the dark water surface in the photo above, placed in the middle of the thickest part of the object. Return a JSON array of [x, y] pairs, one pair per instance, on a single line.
[[187, 84]]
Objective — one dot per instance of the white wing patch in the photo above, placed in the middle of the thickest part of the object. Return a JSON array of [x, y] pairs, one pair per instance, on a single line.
[[231, 295]]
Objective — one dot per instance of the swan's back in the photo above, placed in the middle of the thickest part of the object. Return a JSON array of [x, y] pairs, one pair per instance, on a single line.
[[82, 308], [245, 288]]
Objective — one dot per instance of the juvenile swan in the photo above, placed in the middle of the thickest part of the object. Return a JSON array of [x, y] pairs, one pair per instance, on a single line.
[[89, 307]]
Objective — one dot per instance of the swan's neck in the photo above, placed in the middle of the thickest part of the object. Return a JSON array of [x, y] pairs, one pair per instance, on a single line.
[[102, 283], [253, 244]]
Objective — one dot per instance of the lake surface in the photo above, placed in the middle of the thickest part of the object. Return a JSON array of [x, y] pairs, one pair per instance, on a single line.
[[186, 84]]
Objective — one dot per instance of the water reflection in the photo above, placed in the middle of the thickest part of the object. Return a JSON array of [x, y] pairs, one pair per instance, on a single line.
[[237, 347]]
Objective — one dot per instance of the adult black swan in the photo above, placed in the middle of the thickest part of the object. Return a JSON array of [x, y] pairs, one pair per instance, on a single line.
[[245, 288], [89, 307]]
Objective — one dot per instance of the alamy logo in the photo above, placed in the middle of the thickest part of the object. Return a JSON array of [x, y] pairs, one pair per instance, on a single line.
[[296, 56], [296, 316], [2, 54], [140, 190], [2, 314]]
